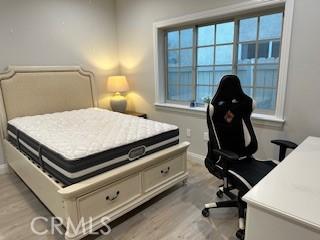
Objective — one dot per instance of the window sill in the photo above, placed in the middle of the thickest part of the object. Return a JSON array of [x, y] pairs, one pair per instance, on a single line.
[[258, 119]]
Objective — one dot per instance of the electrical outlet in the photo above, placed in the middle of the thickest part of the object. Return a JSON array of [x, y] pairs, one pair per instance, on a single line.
[[206, 136], [188, 132]]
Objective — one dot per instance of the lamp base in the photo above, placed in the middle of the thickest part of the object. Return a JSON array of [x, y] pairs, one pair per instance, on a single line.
[[118, 103]]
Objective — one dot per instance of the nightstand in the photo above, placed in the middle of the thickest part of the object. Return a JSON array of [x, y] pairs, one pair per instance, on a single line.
[[142, 115]]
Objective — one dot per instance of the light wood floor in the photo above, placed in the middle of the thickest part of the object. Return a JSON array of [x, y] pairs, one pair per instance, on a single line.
[[175, 214]]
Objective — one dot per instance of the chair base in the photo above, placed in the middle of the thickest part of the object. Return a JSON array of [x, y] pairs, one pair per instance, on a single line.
[[234, 202], [240, 234], [226, 191], [224, 204]]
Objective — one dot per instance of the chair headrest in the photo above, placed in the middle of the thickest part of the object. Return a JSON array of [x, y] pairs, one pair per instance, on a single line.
[[229, 89], [230, 92]]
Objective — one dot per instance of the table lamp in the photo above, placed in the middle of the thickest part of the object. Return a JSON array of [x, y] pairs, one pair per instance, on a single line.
[[118, 85]]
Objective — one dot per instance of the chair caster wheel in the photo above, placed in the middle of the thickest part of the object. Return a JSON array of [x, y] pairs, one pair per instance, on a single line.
[[220, 194], [240, 234], [205, 212]]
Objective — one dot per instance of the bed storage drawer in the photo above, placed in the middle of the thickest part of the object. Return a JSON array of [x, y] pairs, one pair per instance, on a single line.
[[158, 174], [109, 198]]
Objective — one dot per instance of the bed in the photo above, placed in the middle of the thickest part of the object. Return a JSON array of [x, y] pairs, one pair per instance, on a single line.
[[83, 162], [75, 145]]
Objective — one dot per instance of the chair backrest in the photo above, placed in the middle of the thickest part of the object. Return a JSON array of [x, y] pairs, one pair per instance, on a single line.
[[228, 119]]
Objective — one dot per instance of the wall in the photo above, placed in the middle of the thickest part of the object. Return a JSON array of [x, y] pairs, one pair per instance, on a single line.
[[134, 26], [60, 32]]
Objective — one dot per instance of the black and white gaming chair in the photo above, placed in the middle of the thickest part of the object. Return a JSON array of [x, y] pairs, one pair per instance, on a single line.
[[231, 146]]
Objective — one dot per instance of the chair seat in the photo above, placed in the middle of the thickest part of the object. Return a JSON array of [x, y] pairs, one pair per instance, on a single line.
[[249, 172]]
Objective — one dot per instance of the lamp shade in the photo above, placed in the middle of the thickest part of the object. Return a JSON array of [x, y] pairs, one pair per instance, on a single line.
[[117, 84]]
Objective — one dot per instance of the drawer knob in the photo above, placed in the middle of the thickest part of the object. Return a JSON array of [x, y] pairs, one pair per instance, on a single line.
[[114, 197], [165, 171]]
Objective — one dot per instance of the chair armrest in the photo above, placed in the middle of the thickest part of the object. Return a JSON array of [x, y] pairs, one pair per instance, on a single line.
[[228, 155], [284, 145]]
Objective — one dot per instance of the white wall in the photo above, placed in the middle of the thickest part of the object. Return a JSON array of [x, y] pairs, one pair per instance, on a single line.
[[134, 26], [60, 32]]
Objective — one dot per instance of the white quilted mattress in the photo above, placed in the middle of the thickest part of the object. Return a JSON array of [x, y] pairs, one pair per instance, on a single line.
[[80, 133]]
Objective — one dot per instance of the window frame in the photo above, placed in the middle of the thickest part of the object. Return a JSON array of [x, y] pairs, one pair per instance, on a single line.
[[235, 43], [214, 45], [167, 66], [236, 11], [256, 42]]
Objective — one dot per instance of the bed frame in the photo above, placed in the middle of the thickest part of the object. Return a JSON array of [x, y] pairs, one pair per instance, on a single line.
[[26, 91]]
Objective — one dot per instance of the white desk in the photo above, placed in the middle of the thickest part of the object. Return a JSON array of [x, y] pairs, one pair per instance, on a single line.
[[285, 205]]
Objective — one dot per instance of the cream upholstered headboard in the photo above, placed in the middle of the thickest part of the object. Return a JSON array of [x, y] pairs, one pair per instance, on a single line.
[[27, 91]]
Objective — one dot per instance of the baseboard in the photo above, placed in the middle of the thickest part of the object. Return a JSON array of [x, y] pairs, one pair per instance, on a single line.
[[196, 158], [4, 168]]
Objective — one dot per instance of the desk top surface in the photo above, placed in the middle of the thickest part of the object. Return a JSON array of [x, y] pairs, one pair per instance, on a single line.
[[292, 189]]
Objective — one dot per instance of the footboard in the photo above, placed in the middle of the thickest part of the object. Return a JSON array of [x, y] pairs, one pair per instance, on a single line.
[[94, 202], [110, 195]]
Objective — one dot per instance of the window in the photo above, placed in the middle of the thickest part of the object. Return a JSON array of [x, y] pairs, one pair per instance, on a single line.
[[198, 56], [180, 62], [214, 57]]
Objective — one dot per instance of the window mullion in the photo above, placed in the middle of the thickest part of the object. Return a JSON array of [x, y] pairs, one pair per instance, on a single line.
[[235, 46], [214, 53], [179, 67], [256, 61], [194, 63], [166, 63]]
